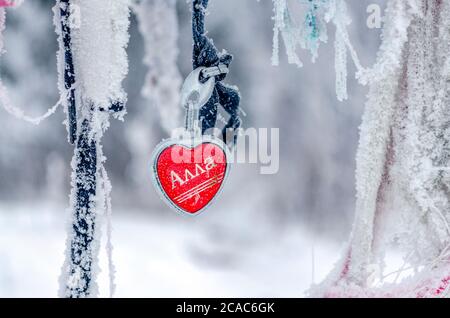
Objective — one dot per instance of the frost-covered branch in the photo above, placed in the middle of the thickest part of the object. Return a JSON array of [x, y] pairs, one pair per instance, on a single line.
[[311, 31], [5, 99], [97, 46]]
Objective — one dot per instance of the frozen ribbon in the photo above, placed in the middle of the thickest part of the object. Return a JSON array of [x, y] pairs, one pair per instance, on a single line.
[[206, 54]]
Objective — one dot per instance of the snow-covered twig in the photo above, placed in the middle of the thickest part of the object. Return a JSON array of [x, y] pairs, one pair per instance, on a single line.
[[312, 31], [5, 100], [18, 112]]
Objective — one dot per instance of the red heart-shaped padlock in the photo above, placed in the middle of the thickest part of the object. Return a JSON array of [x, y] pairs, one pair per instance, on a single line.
[[189, 175]]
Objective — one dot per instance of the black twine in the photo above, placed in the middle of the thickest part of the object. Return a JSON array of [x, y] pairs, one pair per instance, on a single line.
[[206, 54]]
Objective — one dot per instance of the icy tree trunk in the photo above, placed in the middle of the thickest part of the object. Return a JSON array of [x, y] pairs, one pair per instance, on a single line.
[[403, 158], [69, 72], [92, 64], [84, 180], [83, 245]]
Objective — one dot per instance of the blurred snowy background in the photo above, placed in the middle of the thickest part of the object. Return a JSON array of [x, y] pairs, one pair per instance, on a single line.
[[267, 235]]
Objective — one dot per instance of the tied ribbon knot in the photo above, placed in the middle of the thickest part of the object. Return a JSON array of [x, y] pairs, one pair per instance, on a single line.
[[205, 54]]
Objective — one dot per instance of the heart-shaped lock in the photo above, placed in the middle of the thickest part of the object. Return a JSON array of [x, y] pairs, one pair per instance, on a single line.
[[190, 172], [190, 175]]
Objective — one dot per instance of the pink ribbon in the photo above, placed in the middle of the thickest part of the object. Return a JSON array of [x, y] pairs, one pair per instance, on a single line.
[[7, 3]]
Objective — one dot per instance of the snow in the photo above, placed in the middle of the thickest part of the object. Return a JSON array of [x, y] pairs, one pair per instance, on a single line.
[[98, 45], [157, 258], [394, 36], [340, 49]]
